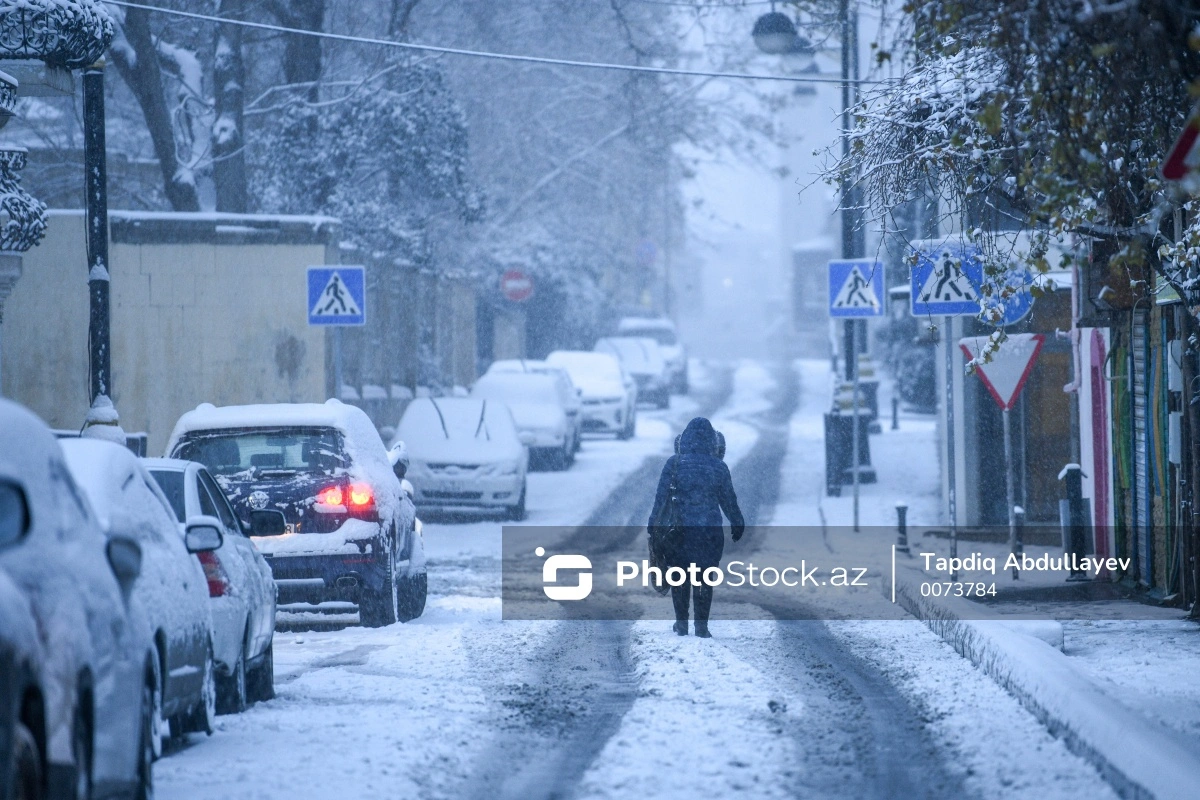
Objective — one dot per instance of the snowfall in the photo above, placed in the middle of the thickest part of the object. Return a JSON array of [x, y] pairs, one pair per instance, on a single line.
[[460, 703]]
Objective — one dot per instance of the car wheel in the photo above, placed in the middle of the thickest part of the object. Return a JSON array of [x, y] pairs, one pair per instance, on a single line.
[[231, 689], [81, 750], [517, 513], [148, 751], [204, 715], [382, 609], [412, 597], [26, 771], [261, 680]]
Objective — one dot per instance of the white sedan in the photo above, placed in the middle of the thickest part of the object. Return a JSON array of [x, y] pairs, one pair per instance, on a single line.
[[609, 394], [539, 411], [241, 589], [464, 453]]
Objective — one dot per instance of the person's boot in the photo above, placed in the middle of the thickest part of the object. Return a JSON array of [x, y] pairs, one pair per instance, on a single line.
[[680, 627], [702, 630]]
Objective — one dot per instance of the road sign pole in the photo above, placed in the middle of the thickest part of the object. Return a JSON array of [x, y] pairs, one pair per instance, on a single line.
[[951, 467], [852, 366], [337, 362], [1010, 481]]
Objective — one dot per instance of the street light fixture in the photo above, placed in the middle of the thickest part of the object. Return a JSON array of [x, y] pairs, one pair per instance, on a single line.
[[774, 33]]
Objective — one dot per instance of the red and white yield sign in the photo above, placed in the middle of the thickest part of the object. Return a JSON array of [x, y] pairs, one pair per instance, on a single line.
[[1005, 375], [1184, 157], [516, 285]]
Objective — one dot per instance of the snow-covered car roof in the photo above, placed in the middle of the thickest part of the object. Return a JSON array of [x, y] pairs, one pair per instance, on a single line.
[[29, 453], [459, 430], [595, 373], [101, 469], [517, 387], [639, 354]]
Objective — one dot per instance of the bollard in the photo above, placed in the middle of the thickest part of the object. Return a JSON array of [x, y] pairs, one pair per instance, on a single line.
[[895, 413], [901, 527], [1018, 547]]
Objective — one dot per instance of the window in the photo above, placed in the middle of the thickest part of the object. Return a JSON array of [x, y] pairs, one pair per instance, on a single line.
[[218, 499], [264, 450], [171, 482], [14, 514]]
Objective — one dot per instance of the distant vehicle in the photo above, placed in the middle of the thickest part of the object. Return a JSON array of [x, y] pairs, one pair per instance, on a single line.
[[172, 586], [464, 453], [641, 357], [241, 590], [537, 406], [609, 394], [86, 697], [566, 387], [313, 484], [663, 331]]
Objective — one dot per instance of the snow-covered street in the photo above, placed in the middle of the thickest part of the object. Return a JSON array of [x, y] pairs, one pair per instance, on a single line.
[[459, 703]]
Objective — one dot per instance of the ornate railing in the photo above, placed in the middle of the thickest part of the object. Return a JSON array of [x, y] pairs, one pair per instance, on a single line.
[[63, 33]]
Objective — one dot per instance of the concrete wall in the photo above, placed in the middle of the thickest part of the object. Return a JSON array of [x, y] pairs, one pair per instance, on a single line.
[[205, 308]]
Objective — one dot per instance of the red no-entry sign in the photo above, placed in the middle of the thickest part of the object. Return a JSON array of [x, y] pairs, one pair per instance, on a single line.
[[516, 285]]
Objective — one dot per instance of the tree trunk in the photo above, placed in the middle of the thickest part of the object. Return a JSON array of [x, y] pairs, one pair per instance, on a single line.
[[144, 78], [229, 75], [302, 54]]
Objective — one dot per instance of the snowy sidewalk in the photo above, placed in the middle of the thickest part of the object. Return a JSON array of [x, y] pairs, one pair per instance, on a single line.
[[1120, 693]]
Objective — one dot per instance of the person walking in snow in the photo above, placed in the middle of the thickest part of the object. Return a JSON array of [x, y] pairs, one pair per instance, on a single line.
[[693, 490]]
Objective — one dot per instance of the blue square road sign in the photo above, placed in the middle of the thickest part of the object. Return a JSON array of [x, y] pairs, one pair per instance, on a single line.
[[337, 295], [855, 289]]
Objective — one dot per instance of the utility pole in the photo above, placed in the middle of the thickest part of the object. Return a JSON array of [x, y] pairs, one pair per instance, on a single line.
[[852, 237]]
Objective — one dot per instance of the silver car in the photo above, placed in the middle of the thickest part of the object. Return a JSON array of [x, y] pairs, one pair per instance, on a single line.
[[241, 589]]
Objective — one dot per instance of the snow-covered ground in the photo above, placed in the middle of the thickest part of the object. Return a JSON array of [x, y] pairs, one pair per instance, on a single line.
[[462, 703]]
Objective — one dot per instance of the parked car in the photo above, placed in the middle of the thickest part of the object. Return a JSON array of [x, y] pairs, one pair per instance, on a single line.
[[570, 393], [537, 407], [608, 393], [464, 453], [241, 590], [77, 668], [313, 484], [663, 331], [172, 587], [641, 358], [21, 692]]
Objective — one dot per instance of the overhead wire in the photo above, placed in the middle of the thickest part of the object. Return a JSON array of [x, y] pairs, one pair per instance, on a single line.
[[457, 51]]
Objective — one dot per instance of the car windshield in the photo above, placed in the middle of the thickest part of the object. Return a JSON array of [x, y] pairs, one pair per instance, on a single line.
[[264, 450], [429, 422], [171, 482]]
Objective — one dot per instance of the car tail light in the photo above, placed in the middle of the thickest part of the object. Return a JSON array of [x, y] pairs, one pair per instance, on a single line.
[[361, 500], [333, 496], [214, 573]]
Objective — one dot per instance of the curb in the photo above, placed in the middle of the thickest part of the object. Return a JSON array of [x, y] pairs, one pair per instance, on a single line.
[[1138, 758]]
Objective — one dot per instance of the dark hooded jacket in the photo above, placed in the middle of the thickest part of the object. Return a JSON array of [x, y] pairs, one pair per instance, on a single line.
[[705, 489]]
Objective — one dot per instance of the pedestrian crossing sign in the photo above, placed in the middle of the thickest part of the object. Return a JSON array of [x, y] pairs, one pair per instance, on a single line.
[[855, 289], [945, 280], [337, 295]]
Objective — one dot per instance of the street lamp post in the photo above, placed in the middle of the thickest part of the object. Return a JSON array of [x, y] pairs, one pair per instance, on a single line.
[[96, 215]]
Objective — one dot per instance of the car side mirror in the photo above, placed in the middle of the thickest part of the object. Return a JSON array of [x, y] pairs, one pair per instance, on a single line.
[[203, 534], [407, 487], [398, 457], [267, 523], [125, 560], [526, 438]]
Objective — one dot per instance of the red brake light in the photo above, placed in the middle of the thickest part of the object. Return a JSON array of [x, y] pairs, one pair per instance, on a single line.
[[214, 573], [331, 496], [361, 495]]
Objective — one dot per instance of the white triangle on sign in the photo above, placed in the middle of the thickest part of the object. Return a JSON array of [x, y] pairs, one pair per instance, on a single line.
[[1005, 375], [856, 292], [335, 300], [947, 283]]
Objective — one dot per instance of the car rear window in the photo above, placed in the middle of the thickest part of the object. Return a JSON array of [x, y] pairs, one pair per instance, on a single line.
[[264, 450], [171, 482]]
